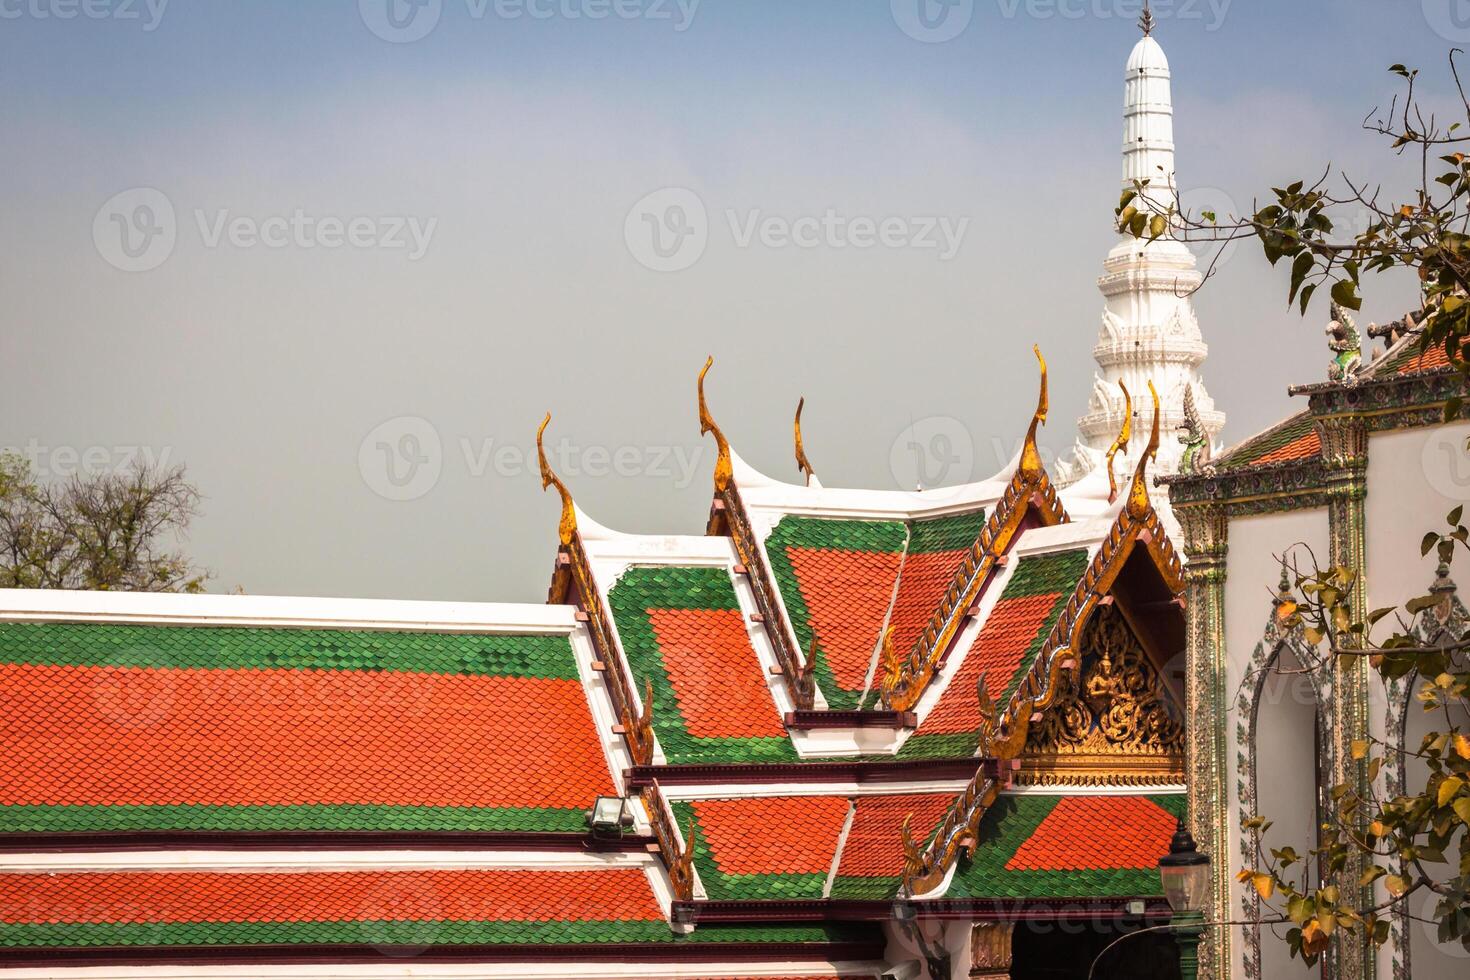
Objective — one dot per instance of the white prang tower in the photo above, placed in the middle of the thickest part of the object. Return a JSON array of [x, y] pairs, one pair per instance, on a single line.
[[1149, 330]]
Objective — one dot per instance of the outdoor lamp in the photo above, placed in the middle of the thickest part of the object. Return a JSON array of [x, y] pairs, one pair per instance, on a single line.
[[609, 816], [1185, 873]]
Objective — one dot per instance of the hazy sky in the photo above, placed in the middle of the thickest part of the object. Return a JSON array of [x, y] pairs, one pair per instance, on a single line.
[[354, 246]]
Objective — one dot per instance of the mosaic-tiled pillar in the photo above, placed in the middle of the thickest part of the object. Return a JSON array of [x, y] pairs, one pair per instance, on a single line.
[[1345, 460], [1205, 527], [990, 950]]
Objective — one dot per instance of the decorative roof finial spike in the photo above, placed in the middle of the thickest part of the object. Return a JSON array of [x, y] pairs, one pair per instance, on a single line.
[[1120, 444], [1146, 22], [724, 469], [1138, 502], [803, 464], [567, 527], [1031, 466]]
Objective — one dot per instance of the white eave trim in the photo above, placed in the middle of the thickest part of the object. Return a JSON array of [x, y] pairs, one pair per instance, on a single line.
[[173, 609]]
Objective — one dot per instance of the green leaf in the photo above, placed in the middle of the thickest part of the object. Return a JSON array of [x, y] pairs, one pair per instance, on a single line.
[[1346, 294]]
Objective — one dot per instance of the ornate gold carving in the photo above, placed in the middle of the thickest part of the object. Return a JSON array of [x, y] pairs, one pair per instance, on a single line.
[[803, 464], [1138, 502], [683, 872], [679, 861], [1041, 685], [890, 665], [567, 527], [724, 469], [1120, 444], [913, 857], [644, 735], [1116, 711], [990, 950], [988, 716], [1030, 455]]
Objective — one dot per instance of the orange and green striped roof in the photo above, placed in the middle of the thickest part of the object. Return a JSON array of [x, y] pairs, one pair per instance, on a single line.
[[843, 581], [682, 630], [1054, 846], [1293, 440], [805, 847], [114, 727], [381, 908], [1008, 644]]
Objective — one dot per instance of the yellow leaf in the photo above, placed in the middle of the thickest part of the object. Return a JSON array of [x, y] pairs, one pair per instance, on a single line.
[[1286, 610], [1360, 748], [1396, 885], [1462, 746], [1265, 886], [1448, 789], [1462, 809], [1451, 303]]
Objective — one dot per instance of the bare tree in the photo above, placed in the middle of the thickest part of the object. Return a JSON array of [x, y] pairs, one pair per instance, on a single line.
[[111, 532]]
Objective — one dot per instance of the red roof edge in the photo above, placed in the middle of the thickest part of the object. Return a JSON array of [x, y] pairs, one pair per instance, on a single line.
[[319, 840]]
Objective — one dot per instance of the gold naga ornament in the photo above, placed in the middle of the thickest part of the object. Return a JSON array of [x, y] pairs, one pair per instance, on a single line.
[[1120, 444], [1138, 502], [803, 465], [724, 469], [1031, 465], [567, 527]]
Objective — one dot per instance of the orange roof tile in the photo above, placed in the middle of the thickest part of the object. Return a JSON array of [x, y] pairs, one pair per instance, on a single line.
[[874, 845], [121, 736], [922, 583], [997, 653], [848, 594], [773, 835], [1302, 447], [716, 674], [1139, 831], [327, 896]]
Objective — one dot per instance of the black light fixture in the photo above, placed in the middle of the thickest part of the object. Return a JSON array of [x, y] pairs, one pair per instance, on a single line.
[[609, 816], [1185, 873]]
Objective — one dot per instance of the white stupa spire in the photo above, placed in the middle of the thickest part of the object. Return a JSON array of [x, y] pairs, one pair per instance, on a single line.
[[1149, 331]]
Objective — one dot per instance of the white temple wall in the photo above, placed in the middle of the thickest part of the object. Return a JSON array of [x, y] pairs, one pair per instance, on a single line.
[[1252, 574], [1415, 477]]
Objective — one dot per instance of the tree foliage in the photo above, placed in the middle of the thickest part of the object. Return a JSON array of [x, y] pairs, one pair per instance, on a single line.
[[113, 531], [1416, 841]]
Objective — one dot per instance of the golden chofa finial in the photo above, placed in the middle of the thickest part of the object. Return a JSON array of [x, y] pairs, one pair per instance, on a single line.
[[567, 528], [802, 463], [1138, 503], [724, 470], [1030, 455], [1120, 444]]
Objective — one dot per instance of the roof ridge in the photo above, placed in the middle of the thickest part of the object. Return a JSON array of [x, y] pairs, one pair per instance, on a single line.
[[841, 847]]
